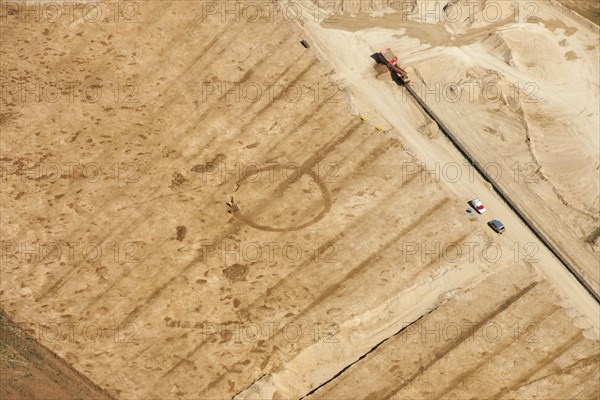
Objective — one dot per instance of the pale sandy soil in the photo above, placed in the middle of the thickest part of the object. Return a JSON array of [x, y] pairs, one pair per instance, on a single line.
[[438, 357], [383, 229], [513, 103]]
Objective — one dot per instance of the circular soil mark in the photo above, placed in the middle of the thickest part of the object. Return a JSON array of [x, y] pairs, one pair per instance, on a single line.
[[276, 200]]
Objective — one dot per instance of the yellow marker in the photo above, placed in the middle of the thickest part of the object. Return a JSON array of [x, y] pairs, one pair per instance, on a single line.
[[378, 127], [363, 118]]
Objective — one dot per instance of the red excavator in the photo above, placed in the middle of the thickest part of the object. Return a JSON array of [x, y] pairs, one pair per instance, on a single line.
[[391, 61]]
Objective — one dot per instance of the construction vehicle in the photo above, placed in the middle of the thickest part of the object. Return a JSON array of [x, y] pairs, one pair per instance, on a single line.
[[388, 58]]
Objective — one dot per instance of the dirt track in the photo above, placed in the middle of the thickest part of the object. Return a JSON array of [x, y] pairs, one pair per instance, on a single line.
[[491, 180], [188, 301]]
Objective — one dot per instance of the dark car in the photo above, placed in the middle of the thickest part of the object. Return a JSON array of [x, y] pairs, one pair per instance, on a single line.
[[497, 226]]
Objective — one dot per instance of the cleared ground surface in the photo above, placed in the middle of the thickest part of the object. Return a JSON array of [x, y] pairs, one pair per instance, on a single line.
[[526, 343], [518, 87], [341, 242]]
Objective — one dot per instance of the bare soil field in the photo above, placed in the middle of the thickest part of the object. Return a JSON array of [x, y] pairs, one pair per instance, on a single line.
[[589, 9], [499, 82], [344, 269], [528, 344], [30, 371]]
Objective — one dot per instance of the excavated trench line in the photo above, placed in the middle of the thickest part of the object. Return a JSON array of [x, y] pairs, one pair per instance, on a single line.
[[496, 188]]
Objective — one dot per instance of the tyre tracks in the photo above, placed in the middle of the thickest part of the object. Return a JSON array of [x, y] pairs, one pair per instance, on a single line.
[[504, 196], [440, 354]]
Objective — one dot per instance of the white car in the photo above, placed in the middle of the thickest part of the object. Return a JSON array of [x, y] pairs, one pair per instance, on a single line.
[[477, 205]]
